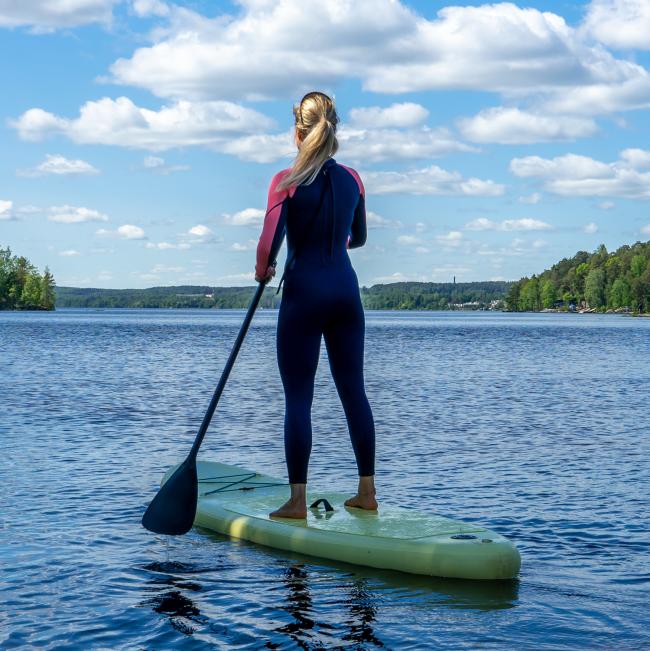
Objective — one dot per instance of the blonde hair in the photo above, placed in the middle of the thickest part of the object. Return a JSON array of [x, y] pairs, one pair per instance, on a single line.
[[316, 121]]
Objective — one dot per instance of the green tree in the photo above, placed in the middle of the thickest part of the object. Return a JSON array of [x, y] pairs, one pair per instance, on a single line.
[[47, 296], [530, 299], [30, 297], [637, 265], [548, 293], [619, 295], [512, 299], [595, 288], [21, 286]]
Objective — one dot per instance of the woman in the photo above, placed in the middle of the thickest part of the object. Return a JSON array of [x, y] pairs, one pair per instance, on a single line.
[[320, 205]]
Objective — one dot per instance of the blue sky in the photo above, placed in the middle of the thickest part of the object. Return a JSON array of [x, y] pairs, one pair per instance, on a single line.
[[139, 137]]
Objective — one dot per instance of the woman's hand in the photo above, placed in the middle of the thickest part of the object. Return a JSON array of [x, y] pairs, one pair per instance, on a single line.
[[270, 272]]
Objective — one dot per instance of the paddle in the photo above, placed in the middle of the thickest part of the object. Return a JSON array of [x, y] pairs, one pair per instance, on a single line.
[[173, 509]]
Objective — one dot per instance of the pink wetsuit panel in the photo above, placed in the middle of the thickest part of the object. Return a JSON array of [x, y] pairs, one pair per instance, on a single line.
[[273, 210], [361, 189], [357, 178]]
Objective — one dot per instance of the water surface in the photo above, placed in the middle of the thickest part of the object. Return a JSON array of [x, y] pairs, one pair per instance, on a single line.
[[534, 425]]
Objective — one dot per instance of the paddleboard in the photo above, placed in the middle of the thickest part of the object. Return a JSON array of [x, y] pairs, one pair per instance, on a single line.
[[236, 502]]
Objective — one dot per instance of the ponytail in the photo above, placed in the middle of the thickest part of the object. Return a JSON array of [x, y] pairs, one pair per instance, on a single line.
[[316, 121]]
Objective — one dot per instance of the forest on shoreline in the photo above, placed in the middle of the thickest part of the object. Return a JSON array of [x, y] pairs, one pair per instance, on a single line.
[[600, 281], [22, 287], [395, 296]]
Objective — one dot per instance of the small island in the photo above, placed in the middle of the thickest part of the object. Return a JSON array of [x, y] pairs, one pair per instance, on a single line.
[[22, 287]]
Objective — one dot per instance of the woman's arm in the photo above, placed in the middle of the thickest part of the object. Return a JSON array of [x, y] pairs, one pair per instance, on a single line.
[[275, 222], [359, 229]]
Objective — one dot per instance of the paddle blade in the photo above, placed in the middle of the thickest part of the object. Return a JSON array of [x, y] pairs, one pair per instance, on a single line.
[[173, 509]]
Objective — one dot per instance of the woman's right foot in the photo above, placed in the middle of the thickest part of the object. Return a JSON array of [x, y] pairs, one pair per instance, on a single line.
[[365, 497], [363, 501]]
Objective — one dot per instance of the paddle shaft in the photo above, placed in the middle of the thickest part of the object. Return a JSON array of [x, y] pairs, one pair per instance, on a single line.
[[226, 372]]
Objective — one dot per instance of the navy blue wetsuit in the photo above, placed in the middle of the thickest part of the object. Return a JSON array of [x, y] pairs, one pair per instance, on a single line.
[[320, 299]]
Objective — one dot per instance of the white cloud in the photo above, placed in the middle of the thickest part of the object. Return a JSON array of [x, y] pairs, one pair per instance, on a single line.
[[165, 269], [590, 228], [517, 248], [238, 279], [408, 240], [225, 127], [60, 166], [165, 246], [246, 217], [606, 205], [374, 145], [126, 232], [157, 164], [146, 8], [120, 122], [6, 212], [573, 175], [646, 229], [130, 232], [258, 52], [250, 245], [431, 180], [47, 15], [262, 147], [399, 277], [525, 224], [514, 126], [531, 198], [69, 253], [452, 239], [199, 231], [406, 114], [603, 98], [75, 215], [635, 158], [377, 221], [620, 23]]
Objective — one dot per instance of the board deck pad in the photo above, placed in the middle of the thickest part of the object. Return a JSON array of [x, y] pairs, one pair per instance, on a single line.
[[237, 502]]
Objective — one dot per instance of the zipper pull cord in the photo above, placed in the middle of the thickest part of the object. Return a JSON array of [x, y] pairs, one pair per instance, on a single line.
[[333, 214]]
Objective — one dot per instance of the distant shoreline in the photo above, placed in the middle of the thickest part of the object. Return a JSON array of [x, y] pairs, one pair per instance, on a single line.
[[276, 308]]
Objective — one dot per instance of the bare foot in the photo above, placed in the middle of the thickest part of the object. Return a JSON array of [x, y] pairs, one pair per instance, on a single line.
[[291, 509], [363, 501]]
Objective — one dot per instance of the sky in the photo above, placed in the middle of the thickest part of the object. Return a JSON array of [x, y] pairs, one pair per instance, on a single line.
[[138, 138]]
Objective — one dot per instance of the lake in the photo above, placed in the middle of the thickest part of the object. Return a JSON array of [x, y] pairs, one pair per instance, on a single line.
[[535, 425]]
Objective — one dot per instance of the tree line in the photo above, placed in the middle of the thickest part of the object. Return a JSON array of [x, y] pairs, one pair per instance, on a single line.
[[22, 287], [394, 296], [600, 280], [432, 296]]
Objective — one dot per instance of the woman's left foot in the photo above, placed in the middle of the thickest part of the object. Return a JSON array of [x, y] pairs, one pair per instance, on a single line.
[[290, 509]]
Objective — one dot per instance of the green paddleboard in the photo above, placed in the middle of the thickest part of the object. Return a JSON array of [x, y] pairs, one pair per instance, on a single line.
[[236, 502]]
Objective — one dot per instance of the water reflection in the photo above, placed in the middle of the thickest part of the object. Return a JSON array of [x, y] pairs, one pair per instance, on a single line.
[[300, 597], [359, 618], [298, 604], [361, 605], [170, 597]]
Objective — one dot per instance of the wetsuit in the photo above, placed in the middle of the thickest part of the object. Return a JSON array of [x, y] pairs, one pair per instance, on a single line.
[[320, 299]]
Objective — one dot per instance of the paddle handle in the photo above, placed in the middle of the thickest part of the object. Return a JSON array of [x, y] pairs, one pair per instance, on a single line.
[[226, 372]]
